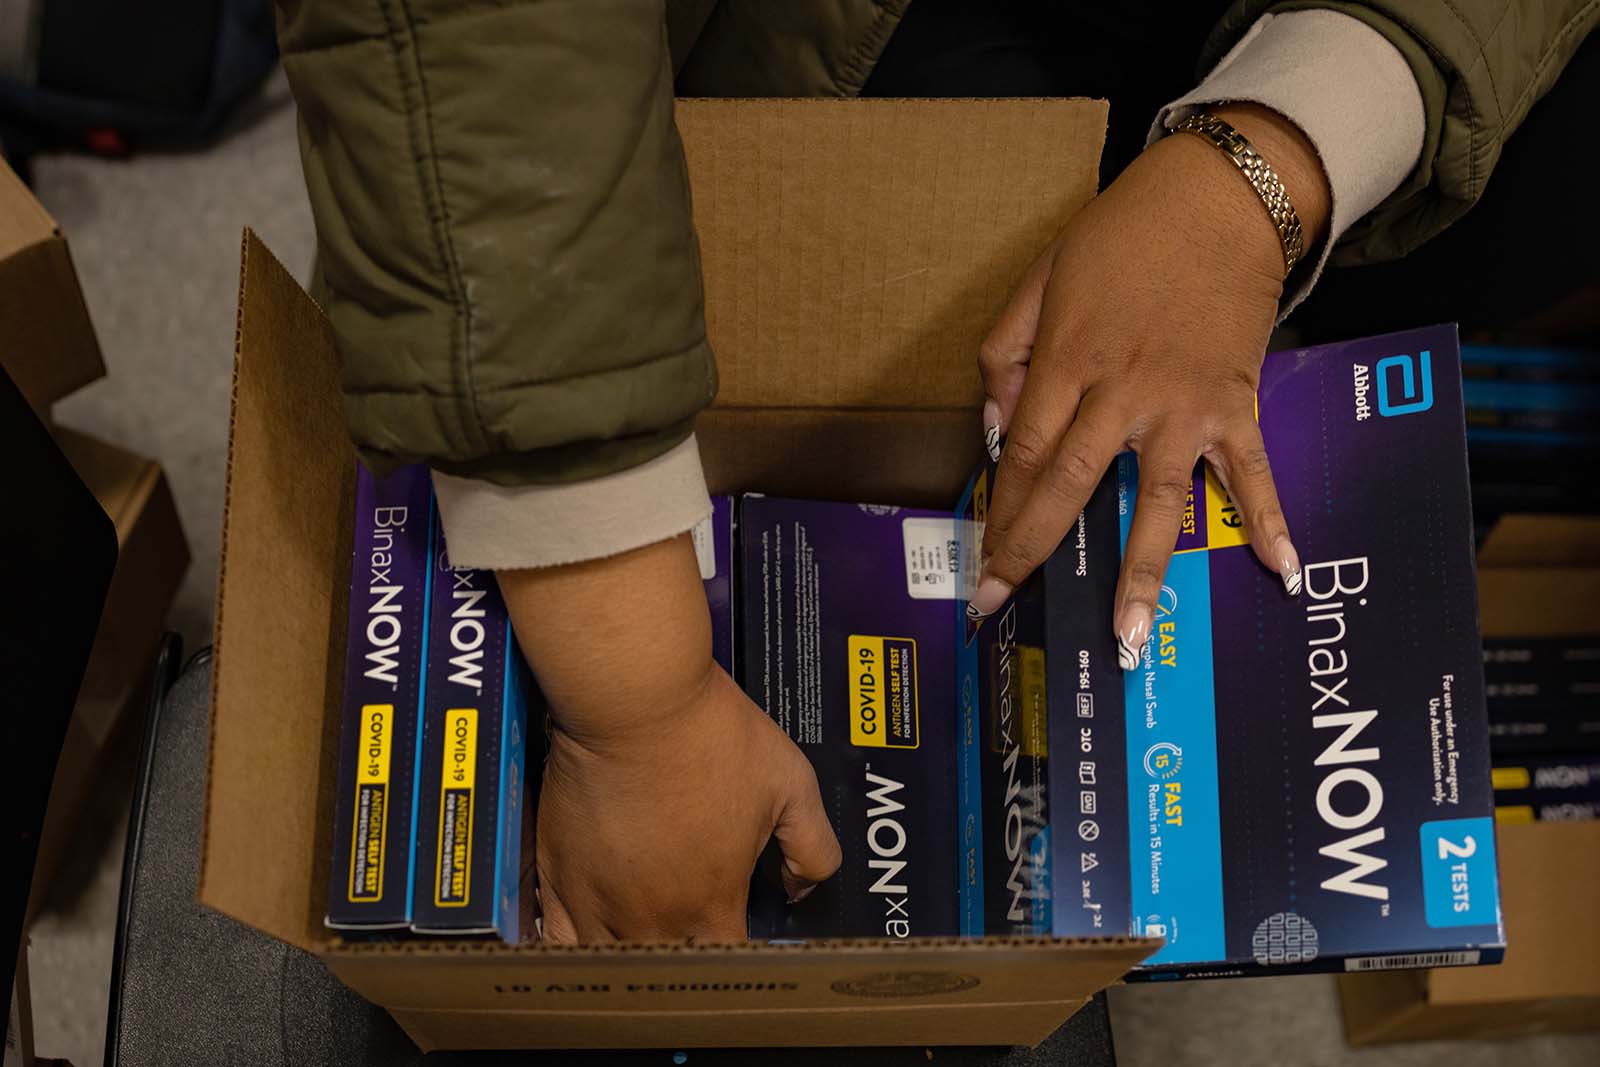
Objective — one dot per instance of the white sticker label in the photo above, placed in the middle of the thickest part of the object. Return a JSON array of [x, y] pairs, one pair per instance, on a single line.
[[1412, 961], [932, 558], [705, 549]]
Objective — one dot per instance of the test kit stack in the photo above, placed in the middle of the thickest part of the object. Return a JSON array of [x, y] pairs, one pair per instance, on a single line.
[[428, 823], [1544, 724], [1007, 777]]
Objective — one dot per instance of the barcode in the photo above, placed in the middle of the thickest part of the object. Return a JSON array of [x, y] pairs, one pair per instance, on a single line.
[[1416, 959]]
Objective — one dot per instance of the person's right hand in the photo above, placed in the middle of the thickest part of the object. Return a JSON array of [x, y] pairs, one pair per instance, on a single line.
[[664, 781], [655, 839]]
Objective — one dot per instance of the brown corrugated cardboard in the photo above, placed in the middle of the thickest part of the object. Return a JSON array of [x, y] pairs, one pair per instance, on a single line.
[[49, 348], [1550, 979], [958, 1024], [883, 409], [152, 556], [1538, 576], [906, 457], [855, 254]]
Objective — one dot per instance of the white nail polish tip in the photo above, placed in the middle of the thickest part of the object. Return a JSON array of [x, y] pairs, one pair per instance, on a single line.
[[1291, 581], [1127, 655], [991, 441]]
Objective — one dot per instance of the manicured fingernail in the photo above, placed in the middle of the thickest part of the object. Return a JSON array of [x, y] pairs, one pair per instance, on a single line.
[[1288, 566], [1133, 630], [991, 429], [801, 894], [987, 598]]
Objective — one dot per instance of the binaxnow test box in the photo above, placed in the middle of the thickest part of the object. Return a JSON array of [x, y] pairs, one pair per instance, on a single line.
[[1027, 727], [474, 735], [370, 886], [846, 613], [1282, 784], [1291, 784]]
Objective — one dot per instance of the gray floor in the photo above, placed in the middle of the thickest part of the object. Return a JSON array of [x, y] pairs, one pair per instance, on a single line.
[[156, 241]]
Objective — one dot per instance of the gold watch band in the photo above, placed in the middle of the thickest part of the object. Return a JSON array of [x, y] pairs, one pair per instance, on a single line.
[[1261, 176]]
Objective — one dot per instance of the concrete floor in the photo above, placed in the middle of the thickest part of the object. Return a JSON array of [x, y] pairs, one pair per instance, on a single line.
[[156, 240]]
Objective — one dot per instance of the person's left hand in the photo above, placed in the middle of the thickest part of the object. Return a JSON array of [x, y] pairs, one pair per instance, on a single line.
[[1143, 326]]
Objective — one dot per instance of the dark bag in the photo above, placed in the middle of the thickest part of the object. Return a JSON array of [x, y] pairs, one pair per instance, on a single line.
[[112, 76]]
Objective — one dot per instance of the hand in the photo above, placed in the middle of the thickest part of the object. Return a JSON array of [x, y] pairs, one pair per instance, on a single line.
[[656, 840], [664, 781], [1143, 326]]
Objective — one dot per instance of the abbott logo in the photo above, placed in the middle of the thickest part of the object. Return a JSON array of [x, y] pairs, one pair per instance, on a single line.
[[1416, 384]]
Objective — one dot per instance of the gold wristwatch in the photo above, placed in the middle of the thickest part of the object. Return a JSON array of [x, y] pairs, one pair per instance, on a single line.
[[1261, 176]]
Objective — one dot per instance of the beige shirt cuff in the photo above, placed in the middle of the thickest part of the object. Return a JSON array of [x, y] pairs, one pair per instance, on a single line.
[[509, 528], [1349, 91]]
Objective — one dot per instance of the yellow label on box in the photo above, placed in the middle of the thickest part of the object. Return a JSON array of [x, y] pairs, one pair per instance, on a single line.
[[1019, 687], [371, 833], [378, 743], [1035, 717], [1510, 778], [452, 883], [1224, 522], [1513, 814], [883, 691]]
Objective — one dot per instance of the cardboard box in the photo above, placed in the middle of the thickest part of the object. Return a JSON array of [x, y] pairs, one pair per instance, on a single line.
[[1550, 978], [1537, 577], [846, 302], [50, 348]]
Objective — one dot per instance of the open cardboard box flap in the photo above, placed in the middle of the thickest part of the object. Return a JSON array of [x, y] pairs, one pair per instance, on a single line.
[[50, 348], [1550, 978], [814, 238], [1538, 576], [856, 253]]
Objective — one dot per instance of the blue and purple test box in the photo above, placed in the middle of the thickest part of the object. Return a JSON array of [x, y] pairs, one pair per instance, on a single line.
[[370, 886], [474, 741], [845, 614], [1281, 784], [1288, 783]]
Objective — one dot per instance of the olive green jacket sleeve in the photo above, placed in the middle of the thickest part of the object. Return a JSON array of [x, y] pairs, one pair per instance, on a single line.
[[504, 231], [1480, 65]]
